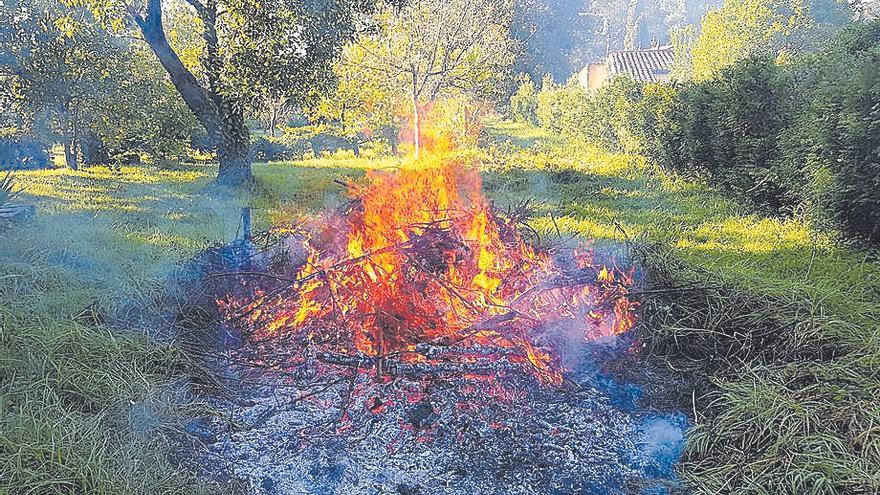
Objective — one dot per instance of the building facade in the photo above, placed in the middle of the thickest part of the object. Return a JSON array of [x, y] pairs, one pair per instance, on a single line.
[[653, 65]]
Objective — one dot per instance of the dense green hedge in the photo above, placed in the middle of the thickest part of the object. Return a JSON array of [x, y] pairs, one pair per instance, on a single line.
[[799, 136]]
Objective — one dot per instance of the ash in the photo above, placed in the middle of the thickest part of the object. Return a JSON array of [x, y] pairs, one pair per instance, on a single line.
[[489, 431]]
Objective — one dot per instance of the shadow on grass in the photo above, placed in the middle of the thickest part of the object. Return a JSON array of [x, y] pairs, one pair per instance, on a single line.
[[776, 257], [113, 235]]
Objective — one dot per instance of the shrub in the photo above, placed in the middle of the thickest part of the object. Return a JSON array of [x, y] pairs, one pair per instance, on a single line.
[[293, 145], [738, 147], [524, 103], [22, 153], [269, 150], [783, 137], [615, 117], [566, 110], [837, 133], [7, 189]]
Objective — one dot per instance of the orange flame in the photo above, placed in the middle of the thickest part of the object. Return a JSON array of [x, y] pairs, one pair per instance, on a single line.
[[423, 259]]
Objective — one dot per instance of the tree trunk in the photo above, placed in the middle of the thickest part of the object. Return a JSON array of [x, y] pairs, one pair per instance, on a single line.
[[273, 120], [93, 150], [633, 21], [416, 128], [225, 128], [234, 153], [70, 152]]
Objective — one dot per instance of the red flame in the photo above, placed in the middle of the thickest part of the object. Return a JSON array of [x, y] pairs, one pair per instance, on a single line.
[[421, 271]]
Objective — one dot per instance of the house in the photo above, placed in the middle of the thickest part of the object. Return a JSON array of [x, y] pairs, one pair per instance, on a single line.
[[652, 65]]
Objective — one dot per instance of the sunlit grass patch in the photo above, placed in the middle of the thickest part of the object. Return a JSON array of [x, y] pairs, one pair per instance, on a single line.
[[754, 235], [85, 405], [794, 415], [518, 133]]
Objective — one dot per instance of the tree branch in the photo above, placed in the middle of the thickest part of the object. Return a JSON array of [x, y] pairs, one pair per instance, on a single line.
[[194, 95], [200, 9]]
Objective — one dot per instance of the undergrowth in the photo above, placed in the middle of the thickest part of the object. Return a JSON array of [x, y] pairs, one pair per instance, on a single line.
[[779, 326], [786, 406], [774, 323], [91, 399]]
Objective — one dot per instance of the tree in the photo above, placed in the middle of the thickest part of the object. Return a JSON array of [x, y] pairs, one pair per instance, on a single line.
[[432, 48], [61, 71], [742, 29], [363, 101], [72, 80], [556, 37], [272, 111], [251, 51], [633, 24]]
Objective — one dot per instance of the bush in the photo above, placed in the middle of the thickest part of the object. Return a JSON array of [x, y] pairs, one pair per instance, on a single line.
[[524, 103], [801, 136], [21, 153], [728, 129], [270, 150], [614, 117], [295, 144], [7, 189], [564, 110], [836, 136]]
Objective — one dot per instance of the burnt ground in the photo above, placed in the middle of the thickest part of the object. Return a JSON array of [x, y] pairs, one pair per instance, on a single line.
[[616, 426]]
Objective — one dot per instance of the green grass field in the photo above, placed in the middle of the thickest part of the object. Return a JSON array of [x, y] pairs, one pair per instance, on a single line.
[[91, 408]]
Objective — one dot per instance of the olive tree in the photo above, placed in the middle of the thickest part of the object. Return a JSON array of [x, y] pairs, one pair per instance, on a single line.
[[432, 48], [57, 71], [67, 78], [251, 50]]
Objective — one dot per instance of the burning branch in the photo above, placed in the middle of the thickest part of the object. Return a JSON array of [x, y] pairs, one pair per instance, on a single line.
[[418, 277]]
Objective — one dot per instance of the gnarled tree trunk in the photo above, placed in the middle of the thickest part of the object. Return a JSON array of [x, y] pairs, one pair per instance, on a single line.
[[233, 150], [225, 127]]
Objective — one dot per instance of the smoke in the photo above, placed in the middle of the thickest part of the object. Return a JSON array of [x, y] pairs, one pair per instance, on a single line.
[[560, 37], [662, 440]]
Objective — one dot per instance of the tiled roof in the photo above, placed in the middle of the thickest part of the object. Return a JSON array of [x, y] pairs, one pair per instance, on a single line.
[[641, 65]]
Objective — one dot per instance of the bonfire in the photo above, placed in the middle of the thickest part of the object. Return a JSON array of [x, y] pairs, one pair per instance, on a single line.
[[419, 276], [418, 339]]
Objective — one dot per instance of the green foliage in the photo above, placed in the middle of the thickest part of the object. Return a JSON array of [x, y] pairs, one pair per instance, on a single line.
[[835, 134], [364, 101], [283, 48], [253, 50], [7, 189], [73, 82], [734, 126], [789, 137], [742, 29], [620, 116], [564, 109], [20, 152], [524, 103]]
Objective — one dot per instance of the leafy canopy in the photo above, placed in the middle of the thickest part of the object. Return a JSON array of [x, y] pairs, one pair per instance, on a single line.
[[250, 50], [742, 29], [71, 79]]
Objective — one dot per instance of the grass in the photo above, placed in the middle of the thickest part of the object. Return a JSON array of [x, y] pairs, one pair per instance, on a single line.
[[89, 406], [805, 419]]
